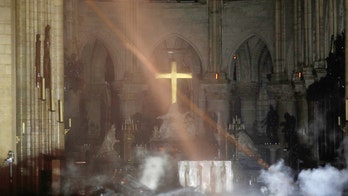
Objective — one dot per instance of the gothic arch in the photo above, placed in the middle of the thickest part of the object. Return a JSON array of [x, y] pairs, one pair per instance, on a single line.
[[250, 61], [175, 48], [113, 47], [95, 102], [249, 71], [265, 65], [97, 62], [189, 47]]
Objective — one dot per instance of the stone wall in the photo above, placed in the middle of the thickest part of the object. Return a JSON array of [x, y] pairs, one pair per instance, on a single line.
[[7, 80], [146, 24], [243, 19]]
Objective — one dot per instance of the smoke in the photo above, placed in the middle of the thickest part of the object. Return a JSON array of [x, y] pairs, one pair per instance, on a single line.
[[325, 181], [183, 191], [153, 170], [343, 150], [322, 181], [71, 173], [278, 179], [81, 180]]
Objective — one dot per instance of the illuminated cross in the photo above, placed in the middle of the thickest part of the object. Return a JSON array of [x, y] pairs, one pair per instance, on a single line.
[[174, 75]]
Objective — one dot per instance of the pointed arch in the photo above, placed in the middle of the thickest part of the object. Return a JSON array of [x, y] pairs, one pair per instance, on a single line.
[[177, 44], [96, 102], [98, 63], [251, 61], [173, 47]]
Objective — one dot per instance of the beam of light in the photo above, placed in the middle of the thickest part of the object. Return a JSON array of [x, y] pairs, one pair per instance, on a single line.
[[80, 162], [148, 67], [223, 132], [151, 68], [127, 43]]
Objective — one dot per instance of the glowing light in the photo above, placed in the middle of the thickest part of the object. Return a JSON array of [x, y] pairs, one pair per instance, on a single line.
[[43, 90], [339, 121], [52, 101], [60, 111], [216, 76], [80, 162], [23, 127], [174, 75]]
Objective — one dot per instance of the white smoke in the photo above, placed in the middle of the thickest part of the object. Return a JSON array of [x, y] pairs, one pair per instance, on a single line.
[[278, 179], [322, 181], [153, 170], [79, 178]]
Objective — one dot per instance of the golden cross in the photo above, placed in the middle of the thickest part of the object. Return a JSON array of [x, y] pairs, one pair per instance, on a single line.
[[174, 75]]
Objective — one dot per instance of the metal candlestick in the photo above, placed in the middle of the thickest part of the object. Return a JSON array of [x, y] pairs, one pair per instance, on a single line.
[[10, 161]]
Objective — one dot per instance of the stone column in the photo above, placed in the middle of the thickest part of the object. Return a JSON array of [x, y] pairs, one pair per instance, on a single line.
[[308, 32], [8, 77], [346, 57], [317, 30], [248, 96], [70, 24], [215, 8], [21, 100], [299, 33], [319, 58], [346, 73], [217, 102], [297, 28], [301, 108], [28, 111], [335, 19], [278, 60], [57, 60], [43, 135], [285, 103], [307, 70], [202, 105], [320, 31], [331, 22], [130, 30], [278, 74]]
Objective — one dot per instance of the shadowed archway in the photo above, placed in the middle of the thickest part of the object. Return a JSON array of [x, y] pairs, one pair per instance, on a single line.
[[91, 101]]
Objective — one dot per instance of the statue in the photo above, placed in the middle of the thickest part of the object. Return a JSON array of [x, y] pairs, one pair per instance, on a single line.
[[38, 60], [289, 129], [272, 125], [243, 139], [46, 57], [107, 146]]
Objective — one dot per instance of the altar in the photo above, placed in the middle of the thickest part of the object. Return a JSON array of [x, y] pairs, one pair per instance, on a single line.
[[198, 165], [209, 176]]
